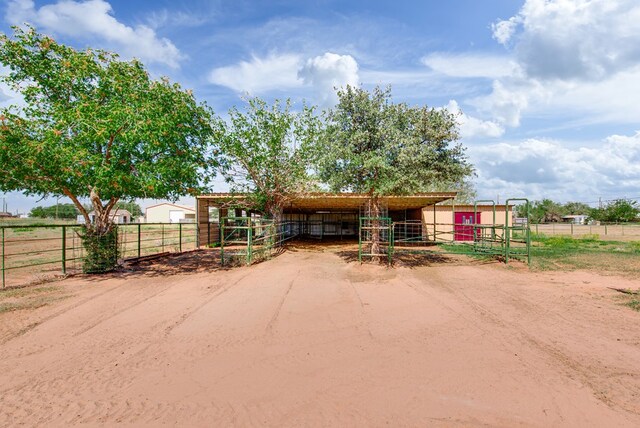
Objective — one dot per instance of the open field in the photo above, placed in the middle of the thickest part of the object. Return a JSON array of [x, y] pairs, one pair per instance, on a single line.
[[312, 338], [611, 232]]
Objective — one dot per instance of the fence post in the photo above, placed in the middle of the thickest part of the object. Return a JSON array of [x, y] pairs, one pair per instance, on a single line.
[[64, 249], [249, 243], [180, 237], [163, 237], [139, 238], [605, 229], [571, 229], [3, 279]]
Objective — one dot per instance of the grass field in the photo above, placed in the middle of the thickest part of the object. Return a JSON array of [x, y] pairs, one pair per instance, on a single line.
[[587, 252]]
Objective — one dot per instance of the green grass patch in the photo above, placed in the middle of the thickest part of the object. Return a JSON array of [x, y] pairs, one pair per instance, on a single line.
[[586, 252]]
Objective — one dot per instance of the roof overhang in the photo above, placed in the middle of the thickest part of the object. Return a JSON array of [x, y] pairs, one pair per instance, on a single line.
[[343, 201]]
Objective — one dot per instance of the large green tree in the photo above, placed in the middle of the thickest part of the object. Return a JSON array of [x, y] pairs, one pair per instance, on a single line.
[[374, 146], [93, 126], [266, 151]]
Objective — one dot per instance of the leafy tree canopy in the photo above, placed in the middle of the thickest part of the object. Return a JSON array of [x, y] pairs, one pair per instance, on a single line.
[[266, 152], [618, 211], [68, 211], [374, 146], [95, 126]]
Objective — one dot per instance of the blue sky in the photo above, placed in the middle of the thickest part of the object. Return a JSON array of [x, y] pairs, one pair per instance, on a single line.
[[546, 90]]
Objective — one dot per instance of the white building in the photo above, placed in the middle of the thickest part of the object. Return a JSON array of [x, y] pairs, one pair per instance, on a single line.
[[575, 218], [119, 216], [170, 213]]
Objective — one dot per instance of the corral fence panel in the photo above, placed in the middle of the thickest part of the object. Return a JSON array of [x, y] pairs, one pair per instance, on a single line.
[[32, 253]]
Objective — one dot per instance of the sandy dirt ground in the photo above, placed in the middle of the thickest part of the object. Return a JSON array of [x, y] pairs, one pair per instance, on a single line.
[[311, 338]]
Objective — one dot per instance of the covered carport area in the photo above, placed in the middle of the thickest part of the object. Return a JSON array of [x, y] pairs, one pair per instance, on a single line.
[[315, 215]]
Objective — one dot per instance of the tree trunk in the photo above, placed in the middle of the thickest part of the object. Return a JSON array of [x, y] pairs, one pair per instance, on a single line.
[[100, 239], [375, 212]]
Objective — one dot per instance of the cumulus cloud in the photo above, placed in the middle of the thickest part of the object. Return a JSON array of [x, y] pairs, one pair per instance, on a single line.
[[94, 18], [328, 72], [504, 30], [579, 39], [471, 127], [547, 168], [289, 71], [471, 64], [260, 75], [575, 58]]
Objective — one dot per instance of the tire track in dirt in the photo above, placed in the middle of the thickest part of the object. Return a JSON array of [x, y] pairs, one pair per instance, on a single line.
[[274, 318], [216, 293], [60, 312], [571, 366]]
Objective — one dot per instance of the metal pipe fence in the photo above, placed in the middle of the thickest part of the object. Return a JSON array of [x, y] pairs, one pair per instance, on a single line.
[[31, 253], [246, 240]]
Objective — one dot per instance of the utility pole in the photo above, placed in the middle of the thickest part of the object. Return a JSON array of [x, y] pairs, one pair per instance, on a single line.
[[600, 202]]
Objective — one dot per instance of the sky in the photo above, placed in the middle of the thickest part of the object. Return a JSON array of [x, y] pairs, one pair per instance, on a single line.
[[546, 91]]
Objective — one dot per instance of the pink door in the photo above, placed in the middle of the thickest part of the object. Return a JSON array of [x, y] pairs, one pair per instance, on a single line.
[[463, 229]]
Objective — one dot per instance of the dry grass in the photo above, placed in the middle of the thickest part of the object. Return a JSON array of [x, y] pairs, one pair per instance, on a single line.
[[29, 298]]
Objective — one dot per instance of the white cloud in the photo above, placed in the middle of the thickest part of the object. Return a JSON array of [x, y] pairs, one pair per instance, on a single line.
[[578, 39], [471, 127], [260, 75], [327, 72], [94, 18], [547, 168], [289, 71], [471, 64], [504, 30]]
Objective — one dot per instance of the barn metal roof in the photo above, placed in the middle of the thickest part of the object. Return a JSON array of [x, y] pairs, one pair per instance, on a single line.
[[345, 201]]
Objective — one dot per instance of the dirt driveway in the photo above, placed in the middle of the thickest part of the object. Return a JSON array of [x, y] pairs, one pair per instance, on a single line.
[[312, 339]]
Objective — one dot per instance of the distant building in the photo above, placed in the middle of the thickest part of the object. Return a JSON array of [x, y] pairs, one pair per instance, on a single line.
[[4, 214], [119, 216], [575, 218], [170, 213]]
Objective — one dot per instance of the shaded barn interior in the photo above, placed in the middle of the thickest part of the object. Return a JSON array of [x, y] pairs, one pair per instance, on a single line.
[[318, 215]]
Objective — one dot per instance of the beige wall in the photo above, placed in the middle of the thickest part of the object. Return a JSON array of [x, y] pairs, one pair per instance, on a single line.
[[161, 213], [444, 218]]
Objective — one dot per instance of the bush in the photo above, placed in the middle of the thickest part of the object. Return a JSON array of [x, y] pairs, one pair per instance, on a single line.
[[102, 251]]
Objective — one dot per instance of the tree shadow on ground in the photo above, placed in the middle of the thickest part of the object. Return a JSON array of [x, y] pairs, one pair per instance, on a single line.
[[416, 259], [197, 261]]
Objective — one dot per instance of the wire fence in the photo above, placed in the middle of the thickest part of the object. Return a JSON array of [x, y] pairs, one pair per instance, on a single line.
[[32, 253], [606, 232]]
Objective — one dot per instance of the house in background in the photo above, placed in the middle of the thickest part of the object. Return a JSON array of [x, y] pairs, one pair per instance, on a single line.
[[119, 216], [170, 213], [575, 218]]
